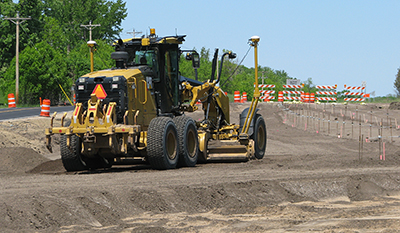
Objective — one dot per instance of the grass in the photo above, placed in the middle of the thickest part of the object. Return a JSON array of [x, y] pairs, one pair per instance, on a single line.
[[20, 105], [4, 102], [383, 99]]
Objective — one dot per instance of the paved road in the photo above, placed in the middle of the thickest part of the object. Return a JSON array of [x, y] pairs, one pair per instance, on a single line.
[[14, 113]]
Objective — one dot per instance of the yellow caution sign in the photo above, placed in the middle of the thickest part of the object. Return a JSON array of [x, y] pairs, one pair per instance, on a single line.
[[99, 91]]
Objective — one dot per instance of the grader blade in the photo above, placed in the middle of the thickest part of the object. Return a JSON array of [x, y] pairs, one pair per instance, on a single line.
[[227, 151]]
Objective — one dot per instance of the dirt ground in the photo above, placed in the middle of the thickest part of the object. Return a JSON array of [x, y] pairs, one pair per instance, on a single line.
[[327, 168]]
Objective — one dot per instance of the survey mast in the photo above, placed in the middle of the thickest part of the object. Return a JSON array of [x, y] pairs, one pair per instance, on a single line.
[[250, 114]]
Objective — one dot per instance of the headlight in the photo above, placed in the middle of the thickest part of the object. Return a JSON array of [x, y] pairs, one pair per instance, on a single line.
[[81, 80], [81, 87], [115, 79], [114, 86]]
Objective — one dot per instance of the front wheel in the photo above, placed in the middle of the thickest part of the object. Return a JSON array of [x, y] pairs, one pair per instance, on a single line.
[[260, 137], [72, 158], [162, 143]]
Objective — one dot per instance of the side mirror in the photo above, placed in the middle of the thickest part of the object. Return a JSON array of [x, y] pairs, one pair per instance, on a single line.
[[195, 58], [232, 55]]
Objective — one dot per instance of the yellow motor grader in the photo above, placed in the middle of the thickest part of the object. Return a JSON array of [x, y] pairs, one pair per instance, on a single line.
[[137, 110]]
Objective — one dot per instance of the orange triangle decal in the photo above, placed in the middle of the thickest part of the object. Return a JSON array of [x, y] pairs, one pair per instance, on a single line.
[[99, 91]]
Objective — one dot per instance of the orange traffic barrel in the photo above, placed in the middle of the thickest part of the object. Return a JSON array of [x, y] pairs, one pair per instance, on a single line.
[[74, 99], [312, 97], [307, 98], [45, 109], [236, 96], [11, 101], [280, 96], [244, 98]]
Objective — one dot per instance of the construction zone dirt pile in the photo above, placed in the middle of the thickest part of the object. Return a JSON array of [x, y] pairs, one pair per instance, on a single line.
[[394, 106], [317, 175], [19, 160]]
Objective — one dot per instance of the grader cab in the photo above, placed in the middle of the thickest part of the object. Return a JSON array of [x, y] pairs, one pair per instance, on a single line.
[[137, 109]]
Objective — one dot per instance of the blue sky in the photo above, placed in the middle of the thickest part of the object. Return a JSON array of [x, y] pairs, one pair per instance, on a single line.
[[333, 42]]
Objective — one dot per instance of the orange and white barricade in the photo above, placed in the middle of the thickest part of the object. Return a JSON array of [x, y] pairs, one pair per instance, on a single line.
[[267, 91], [293, 93], [267, 98], [11, 100], [355, 94], [45, 109], [326, 93]]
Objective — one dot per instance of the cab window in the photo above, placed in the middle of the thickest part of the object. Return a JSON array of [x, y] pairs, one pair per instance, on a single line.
[[171, 73]]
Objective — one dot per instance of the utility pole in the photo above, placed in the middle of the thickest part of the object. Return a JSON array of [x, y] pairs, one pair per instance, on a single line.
[[17, 21], [91, 43], [134, 33], [90, 26]]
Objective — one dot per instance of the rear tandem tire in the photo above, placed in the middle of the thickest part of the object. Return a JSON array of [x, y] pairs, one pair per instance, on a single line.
[[188, 141], [71, 158], [260, 137], [162, 143]]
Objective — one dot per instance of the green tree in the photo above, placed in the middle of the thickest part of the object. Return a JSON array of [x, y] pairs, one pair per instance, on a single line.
[[204, 72], [72, 14], [56, 25], [7, 34], [42, 70], [309, 86], [78, 60], [397, 83]]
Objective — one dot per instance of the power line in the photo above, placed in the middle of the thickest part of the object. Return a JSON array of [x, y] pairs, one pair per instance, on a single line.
[[134, 33], [17, 21], [90, 26]]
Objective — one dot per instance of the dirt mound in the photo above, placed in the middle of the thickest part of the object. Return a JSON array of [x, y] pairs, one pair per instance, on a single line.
[[394, 106], [49, 167], [19, 160]]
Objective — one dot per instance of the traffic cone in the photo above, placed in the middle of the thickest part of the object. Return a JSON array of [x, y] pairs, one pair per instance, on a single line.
[[11, 101], [45, 109], [244, 98], [236, 96]]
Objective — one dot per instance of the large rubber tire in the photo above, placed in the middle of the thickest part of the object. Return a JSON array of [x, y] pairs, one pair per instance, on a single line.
[[188, 141], [72, 159], [162, 143], [260, 137]]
